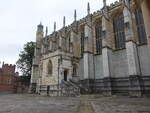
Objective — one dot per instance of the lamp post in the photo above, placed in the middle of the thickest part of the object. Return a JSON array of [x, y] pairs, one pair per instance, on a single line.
[[58, 75]]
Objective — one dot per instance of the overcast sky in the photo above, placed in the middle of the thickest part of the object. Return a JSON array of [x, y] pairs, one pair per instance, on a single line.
[[19, 18]]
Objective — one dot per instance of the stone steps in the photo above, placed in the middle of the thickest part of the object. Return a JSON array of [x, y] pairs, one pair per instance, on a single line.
[[69, 89]]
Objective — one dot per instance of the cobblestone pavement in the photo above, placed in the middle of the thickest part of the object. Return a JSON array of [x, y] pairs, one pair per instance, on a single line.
[[15, 103], [121, 105], [36, 104], [85, 105]]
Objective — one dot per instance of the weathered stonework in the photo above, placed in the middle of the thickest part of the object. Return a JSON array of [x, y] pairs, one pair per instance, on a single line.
[[106, 61]]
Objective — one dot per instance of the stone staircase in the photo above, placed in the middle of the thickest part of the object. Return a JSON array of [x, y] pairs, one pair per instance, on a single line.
[[66, 88], [69, 89], [83, 89]]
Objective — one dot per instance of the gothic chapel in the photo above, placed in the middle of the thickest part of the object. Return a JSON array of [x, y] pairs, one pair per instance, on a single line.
[[107, 52]]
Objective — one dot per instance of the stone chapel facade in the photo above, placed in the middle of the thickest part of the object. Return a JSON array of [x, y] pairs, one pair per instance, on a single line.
[[107, 52]]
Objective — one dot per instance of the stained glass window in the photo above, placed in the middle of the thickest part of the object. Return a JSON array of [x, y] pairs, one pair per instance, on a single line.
[[118, 24], [98, 33], [140, 26]]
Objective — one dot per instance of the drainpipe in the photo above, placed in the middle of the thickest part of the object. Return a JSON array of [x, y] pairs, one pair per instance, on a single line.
[[58, 75]]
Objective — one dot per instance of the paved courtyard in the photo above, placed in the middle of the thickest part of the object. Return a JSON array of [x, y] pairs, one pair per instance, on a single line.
[[18, 103]]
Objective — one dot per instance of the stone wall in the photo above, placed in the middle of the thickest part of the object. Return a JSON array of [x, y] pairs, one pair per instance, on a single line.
[[98, 67], [50, 79], [118, 63], [80, 69], [144, 57], [120, 82]]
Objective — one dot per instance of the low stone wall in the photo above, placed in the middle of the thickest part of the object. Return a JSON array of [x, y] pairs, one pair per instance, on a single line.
[[49, 90], [68, 90], [7, 88], [22, 89], [133, 86], [146, 84]]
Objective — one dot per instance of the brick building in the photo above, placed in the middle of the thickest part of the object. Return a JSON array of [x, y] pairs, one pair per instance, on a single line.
[[8, 78]]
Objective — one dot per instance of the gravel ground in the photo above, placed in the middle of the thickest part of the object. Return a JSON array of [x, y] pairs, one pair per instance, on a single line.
[[26, 103], [36, 104], [121, 105]]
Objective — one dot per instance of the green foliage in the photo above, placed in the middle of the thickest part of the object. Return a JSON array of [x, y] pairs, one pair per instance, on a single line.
[[24, 62]]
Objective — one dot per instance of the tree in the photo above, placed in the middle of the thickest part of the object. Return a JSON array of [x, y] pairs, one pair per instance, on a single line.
[[24, 62]]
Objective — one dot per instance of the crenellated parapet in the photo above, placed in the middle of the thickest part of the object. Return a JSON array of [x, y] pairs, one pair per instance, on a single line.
[[8, 69]]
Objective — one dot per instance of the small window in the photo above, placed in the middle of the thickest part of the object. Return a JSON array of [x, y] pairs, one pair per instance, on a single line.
[[49, 68], [74, 70]]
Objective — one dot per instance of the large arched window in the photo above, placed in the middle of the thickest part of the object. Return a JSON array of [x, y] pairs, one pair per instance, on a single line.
[[98, 36], [140, 26], [49, 68], [118, 24]]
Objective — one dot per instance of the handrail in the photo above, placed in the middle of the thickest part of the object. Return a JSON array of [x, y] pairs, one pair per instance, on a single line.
[[73, 84], [68, 89], [80, 85]]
